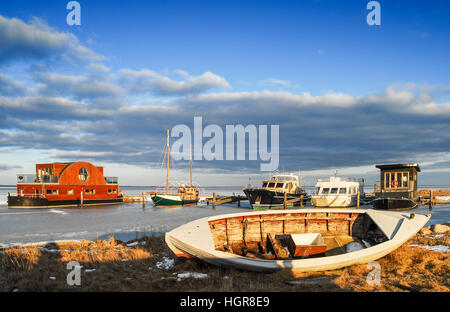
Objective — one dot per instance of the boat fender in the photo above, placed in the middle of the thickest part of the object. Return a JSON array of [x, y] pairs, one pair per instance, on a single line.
[[395, 183]]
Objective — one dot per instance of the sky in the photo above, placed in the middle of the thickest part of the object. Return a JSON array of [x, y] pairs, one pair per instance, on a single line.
[[346, 95]]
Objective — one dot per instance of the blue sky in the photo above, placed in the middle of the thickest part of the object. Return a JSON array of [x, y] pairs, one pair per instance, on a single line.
[[345, 94]]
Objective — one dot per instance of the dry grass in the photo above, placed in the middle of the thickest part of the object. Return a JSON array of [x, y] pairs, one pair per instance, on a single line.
[[121, 268]]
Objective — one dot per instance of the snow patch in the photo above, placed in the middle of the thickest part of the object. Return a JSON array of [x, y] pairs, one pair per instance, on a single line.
[[166, 263], [181, 276], [353, 246], [58, 211], [438, 248]]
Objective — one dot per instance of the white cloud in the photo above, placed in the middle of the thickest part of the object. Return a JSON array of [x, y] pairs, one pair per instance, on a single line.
[[145, 80], [9, 86], [38, 40]]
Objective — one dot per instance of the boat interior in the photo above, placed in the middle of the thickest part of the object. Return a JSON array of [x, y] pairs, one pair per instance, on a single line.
[[267, 236]]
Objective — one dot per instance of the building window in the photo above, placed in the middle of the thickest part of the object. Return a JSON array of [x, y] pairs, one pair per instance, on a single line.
[[396, 180], [83, 174]]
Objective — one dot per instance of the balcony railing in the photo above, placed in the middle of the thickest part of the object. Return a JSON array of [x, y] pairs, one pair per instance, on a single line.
[[112, 180], [32, 178], [361, 180]]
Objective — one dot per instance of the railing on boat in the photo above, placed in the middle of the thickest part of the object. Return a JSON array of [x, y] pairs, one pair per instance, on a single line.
[[361, 180], [32, 178]]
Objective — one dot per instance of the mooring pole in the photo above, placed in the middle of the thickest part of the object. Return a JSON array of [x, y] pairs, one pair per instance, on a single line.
[[430, 204], [214, 200], [143, 200], [285, 199], [301, 200], [357, 200]]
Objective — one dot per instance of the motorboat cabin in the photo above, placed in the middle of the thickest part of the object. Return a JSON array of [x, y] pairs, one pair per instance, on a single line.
[[274, 191], [397, 188], [337, 192]]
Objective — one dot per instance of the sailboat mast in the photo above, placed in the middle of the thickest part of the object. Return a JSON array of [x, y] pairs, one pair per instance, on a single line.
[[191, 165], [168, 160]]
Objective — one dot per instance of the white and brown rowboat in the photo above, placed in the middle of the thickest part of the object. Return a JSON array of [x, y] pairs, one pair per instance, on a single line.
[[225, 239]]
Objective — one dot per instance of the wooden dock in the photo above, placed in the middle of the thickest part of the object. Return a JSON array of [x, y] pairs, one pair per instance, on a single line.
[[220, 200]]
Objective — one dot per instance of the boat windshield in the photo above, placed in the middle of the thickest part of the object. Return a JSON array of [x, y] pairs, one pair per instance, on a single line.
[[334, 190], [280, 185], [342, 190], [325, 190], [283, 178], [272, 184]]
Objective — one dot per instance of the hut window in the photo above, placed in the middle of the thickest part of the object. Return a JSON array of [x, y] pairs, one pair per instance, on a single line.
[[83, 174], [334, 190], [395, 180], [342, 190], [405, 179]]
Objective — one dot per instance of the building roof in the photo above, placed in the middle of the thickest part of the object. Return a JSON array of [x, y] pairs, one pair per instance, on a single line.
[[398, 166]]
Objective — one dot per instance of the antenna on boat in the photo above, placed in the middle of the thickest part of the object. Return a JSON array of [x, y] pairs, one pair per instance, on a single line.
[[336, 173], [191, 164], [168, 159]]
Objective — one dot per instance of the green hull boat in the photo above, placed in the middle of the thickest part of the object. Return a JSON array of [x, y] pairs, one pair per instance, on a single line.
[[172, 200]]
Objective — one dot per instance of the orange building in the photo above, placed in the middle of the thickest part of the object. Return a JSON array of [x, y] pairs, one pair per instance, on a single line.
[[65, 185]]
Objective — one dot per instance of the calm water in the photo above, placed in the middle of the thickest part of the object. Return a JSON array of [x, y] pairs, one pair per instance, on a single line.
[[126, 221]]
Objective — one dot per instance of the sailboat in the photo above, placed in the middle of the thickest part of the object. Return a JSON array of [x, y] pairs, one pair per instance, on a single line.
[[185, 195]]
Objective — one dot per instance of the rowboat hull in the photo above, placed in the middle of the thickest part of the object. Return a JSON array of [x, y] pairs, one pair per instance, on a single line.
[[199, 238]]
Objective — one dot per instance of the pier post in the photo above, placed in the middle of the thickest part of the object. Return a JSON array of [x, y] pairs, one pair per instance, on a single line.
[[285, 199], [214, 201], [430, 204], [301, 200], [357, 200], [143, 200]]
